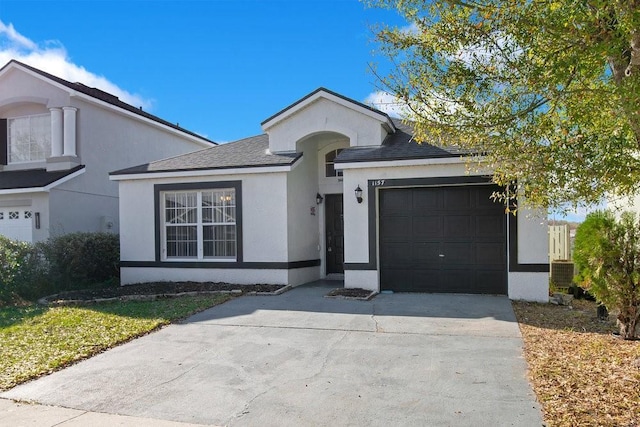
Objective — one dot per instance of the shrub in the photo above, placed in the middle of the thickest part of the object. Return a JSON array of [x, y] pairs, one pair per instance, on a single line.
[[607, 253], [13, 257], [67, 262], [80, 259]]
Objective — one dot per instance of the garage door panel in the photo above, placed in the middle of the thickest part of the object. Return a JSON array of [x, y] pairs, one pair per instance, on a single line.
[[490, 225], [456, 198], [425, 252], [485, 281], [490, 254], [457, 281], [396, 254], [426, 226], [461, 223], [396, 203], [396, 228], [429, 199], [16, 224], [457, 226], [457, 253]]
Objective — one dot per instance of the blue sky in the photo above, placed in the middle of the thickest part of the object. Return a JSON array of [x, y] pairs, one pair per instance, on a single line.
[[217, 67]]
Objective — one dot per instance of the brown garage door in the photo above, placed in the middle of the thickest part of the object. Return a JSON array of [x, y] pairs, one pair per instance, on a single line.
[[442, 239]]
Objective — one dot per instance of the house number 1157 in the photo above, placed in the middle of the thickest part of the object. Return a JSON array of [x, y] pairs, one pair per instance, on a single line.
[[377, 183]]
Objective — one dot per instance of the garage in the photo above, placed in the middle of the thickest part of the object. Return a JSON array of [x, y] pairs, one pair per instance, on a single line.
[[15, 224], [442, 239]]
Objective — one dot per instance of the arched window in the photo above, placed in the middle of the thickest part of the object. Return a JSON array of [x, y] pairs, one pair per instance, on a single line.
[[330, 163]]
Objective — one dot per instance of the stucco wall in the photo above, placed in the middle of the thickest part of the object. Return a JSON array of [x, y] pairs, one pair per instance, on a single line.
[[325, 116], [302, 211], [264, 216], [18, 86], [73, 211]]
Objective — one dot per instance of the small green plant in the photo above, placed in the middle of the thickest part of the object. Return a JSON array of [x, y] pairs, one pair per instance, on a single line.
[[607, 253], [67, 262]]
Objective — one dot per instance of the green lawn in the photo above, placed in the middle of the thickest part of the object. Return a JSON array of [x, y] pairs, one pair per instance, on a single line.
[[37, 340]]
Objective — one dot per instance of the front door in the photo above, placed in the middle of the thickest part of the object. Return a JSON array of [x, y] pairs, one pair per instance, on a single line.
[[334, 233]]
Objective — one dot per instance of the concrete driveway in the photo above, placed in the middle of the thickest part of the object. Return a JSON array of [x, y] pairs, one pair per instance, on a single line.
[[300, 359]]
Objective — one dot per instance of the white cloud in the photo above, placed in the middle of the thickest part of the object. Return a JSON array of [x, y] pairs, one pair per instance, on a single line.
[[410, 29], [52, 58], [387, 103], [496, 49]]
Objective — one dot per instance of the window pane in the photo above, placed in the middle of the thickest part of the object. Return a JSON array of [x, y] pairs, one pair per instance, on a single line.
[[182, 241], [216, 231], [29, 138]]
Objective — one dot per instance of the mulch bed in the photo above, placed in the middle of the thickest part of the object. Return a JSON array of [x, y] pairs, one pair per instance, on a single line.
[[582, 374], [351, 293], [159, 288]]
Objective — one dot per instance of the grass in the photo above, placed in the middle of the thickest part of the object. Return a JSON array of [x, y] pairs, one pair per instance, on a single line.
[[581, 373], [36, 340]]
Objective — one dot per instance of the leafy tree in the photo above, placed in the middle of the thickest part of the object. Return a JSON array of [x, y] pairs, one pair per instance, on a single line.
[[607, 254], [547, 90]]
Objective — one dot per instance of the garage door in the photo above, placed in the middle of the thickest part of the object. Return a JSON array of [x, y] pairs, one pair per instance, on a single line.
[[15, 223], [442, 239]]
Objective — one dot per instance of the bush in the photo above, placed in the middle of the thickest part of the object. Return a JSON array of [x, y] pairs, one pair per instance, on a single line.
[[13, 258], [607, 253], [67, 262], [81, 259]]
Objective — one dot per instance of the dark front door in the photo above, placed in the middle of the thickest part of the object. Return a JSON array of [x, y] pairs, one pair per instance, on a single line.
[[447, 239], [334, 233]]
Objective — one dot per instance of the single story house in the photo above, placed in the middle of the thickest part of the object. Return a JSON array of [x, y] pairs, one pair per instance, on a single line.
[[333, 188]]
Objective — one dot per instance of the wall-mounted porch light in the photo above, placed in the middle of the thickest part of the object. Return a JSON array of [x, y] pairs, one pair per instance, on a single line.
[[319, 199], [37, 220], [359, 194]]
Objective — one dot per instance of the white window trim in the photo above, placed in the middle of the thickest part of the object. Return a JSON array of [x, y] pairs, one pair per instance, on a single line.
[[199, 227], [22, 162]]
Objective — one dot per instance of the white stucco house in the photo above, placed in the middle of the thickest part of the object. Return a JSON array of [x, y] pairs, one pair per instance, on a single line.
[[58, 142], [333, 188]]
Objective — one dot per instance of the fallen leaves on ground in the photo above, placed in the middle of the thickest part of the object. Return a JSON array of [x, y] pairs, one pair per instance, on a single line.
[[582, 374]]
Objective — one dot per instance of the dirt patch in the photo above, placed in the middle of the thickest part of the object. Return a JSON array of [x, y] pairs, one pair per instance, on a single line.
[[581, 372], [158, 288], [351, 293]]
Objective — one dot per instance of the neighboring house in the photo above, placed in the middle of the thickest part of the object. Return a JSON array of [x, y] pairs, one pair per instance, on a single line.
[[58, 142], [333, 188]]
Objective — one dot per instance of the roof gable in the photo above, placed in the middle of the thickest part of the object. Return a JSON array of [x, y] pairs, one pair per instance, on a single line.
[[100, 96], [323, 93]]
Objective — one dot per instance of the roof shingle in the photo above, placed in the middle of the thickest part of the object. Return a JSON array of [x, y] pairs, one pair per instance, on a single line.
[[248, 152], [32, 178], [398, 146]]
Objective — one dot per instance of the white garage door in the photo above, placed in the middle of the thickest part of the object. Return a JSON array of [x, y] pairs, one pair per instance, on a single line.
[[16, 223]]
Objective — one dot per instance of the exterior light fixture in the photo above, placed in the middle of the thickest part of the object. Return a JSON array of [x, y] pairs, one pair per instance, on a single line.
[[319, 199], [37, 220], [359, 194]]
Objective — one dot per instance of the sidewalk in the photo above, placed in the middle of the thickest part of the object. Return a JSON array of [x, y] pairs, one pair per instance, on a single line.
[[25, 414]]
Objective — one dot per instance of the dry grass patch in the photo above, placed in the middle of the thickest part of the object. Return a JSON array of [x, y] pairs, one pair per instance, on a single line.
[[582, 374]]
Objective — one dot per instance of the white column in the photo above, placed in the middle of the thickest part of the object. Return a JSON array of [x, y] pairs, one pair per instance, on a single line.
[[56, 132], [69, 131]]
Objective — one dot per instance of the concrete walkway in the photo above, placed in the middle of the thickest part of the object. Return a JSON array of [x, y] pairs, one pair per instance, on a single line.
[[301, 359]]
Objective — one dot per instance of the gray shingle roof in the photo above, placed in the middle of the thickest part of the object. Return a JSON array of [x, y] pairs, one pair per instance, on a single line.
[[31, 178], [108, 98], [398, 146], [248, 152]]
